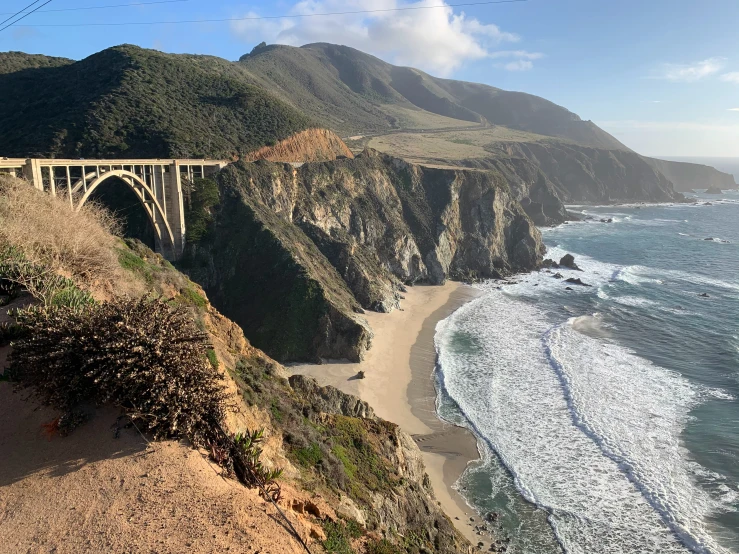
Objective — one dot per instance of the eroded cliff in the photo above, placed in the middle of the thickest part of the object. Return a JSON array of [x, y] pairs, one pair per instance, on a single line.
[[295, 254], [583, 174], [311, 145]]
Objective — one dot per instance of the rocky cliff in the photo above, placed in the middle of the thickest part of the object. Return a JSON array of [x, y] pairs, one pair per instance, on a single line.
[[295, 254], [583, 174], [688, 176]]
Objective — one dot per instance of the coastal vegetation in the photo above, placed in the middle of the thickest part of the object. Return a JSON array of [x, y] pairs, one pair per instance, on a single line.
[[148, 342]]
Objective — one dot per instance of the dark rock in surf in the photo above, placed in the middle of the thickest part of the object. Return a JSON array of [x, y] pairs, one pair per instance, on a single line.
[[577, 282], [568, 260], [558, 276], [704, 295]]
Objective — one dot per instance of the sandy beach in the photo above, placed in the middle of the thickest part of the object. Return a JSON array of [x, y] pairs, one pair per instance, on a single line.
[[399, 385]]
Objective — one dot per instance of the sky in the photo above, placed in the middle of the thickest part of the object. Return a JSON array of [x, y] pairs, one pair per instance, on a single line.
[[661, 76]]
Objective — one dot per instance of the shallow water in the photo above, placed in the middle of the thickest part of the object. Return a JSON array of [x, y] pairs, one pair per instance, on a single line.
[[609, 415]]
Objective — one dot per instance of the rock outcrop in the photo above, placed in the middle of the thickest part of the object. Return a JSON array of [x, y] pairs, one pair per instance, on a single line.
[[311, 145], [406, 504], [714, 190], [296, 254], [687, 176], [583, 174]]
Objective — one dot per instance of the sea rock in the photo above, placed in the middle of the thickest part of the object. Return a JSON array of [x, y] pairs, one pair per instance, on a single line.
[[713, 190], [568, 260], [577, 282], [558, 276], [704, 295], [550, 263]]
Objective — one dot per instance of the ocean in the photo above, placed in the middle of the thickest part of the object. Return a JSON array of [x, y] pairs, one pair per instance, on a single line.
[[608, 415]]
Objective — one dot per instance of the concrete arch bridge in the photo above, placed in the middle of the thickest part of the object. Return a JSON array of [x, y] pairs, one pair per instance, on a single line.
[[158, 184]]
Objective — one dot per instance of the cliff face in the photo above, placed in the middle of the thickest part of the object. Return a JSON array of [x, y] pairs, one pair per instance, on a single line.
[[311, 145], [296, 253], [583, 174], [687, 176]]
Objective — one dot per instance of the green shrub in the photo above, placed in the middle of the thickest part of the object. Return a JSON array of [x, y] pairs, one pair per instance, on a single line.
[[338, 538], [382, 546], [190, 297], [212, 358], [49, 288], [310, 456], [203, 197]]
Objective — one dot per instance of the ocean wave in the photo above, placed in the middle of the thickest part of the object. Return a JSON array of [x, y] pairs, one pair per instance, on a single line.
[[633, 301], [647, 408], [507, 387], [687, 277]]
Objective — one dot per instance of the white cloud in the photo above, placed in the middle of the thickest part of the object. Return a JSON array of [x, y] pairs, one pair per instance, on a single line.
[[521, 59], [732, 77], [438, 40], [520, 54], [688, 73], [518, 65], [734, 109]]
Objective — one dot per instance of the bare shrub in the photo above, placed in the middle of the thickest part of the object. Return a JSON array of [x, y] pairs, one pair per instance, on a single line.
[[144, 356], [49, 233]]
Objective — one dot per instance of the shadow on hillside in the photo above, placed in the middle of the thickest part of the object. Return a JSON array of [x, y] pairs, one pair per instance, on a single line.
[[25, 449]]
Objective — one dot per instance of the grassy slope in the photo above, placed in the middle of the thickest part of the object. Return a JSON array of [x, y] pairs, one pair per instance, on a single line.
[[130, 102], [316, 76]]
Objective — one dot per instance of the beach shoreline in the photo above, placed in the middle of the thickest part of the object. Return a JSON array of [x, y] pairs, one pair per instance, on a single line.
[[399, 385]]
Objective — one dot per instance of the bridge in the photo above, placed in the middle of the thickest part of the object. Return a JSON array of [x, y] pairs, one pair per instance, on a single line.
[[158, 184]]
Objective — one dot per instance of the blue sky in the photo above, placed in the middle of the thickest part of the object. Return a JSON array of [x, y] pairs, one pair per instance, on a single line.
[[662, 76]]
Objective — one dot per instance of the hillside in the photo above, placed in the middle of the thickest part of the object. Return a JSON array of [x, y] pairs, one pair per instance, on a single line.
[[688, 176], [130, 102], [89, 470], [352, 92], [10, 62]]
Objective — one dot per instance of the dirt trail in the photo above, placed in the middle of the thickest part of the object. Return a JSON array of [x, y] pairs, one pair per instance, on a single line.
[[92, 492]]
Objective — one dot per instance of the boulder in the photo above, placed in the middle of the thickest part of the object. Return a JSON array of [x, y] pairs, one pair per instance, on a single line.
[[568, 260], [714, 190], [558, 276], [577, 282]]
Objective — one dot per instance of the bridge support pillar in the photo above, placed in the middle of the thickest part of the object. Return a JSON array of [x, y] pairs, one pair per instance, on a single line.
[[175, 207], [32, 173]]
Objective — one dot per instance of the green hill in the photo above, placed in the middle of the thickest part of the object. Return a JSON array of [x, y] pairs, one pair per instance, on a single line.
[[131, 102], [10, 62], [353, 92]]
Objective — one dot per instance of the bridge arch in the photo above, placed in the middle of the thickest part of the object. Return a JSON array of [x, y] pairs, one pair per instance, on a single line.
[[156, 214]]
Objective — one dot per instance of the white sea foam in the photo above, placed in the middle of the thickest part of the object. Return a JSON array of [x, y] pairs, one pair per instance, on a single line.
[[596, 444], [633, 301]]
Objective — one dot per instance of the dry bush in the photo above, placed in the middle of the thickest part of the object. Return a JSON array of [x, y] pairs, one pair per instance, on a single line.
[[48, 233], [145, 356]]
